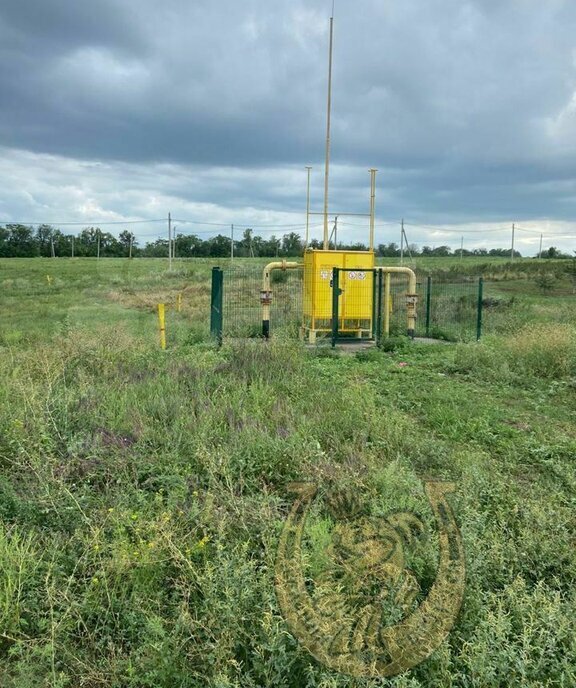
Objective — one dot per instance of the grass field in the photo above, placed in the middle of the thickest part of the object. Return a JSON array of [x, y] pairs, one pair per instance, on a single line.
[[143, 492]]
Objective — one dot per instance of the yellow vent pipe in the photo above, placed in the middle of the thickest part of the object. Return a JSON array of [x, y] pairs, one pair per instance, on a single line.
[[266, 291]]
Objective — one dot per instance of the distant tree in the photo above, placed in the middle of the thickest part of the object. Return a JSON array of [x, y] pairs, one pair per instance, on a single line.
[[20, 241], [44, 237], [87, 244], [219, 246], [191, 245], [291, 244], [4, 245], [125, 238], [554, 252], [441, 251], [388, 250], [245, 244]]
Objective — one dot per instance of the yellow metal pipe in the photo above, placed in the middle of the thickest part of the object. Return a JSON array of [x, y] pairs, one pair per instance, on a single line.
[[411, 297], [387, 304], [266, 291]]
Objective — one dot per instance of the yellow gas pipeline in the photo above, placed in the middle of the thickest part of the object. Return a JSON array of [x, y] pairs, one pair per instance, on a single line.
[[266, 291], [411, 297]]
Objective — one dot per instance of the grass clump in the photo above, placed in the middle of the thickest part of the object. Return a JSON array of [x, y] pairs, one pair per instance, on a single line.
[[547, 351]]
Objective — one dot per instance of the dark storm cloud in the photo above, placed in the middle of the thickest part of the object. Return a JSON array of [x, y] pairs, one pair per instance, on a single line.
[[466, 107]]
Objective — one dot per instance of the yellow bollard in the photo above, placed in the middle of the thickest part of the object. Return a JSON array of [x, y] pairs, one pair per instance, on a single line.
[[179, 302], [162, 321]]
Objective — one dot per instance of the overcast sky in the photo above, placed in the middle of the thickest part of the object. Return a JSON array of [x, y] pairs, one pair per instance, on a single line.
[[127, 109]]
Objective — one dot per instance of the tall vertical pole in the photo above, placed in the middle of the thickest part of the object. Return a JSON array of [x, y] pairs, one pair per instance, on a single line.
[[327, 163], [479, 310], [512, 249], [428, 303], [379, 308], [372, 205], [308, 168], [169, 241], [540, 249], [72, 246], [231, 243], [98, 246], [130, 247], [335, 296], [52, 247], [402, 243], [387, 304], [216, 301], [461, 247]]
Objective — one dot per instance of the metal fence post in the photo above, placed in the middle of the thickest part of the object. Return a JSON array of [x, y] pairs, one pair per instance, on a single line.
[[335, 297], [216, 299], [428, 300], [479, 318]]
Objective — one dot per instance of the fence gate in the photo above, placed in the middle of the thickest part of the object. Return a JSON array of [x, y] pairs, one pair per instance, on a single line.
[[353, 304]]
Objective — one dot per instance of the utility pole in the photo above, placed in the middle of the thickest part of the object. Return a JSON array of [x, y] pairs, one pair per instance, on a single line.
[[52, 247], [327, 162], [540, 249], [169, 242], [372, 205], [512, 249], [98, 246], [402, 243], [130, 247], [231, 243], [461, 247], [308, 168], [336, 233]]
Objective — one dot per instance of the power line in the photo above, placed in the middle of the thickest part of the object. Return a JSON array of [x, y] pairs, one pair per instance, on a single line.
[[457, 231], [84, 223], [246, 226], [87, 223]]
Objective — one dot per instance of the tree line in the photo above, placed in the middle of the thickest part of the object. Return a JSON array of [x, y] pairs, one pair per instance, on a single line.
[[24, 241]]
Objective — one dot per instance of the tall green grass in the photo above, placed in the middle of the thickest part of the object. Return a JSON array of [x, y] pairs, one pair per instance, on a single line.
[[142, 492]]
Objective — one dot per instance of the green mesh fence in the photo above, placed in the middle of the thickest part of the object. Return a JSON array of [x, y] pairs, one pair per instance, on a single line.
[[450, 312], [242, 311]]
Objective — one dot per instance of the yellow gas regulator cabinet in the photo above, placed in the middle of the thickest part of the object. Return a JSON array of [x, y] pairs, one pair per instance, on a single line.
[[355, 310]]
